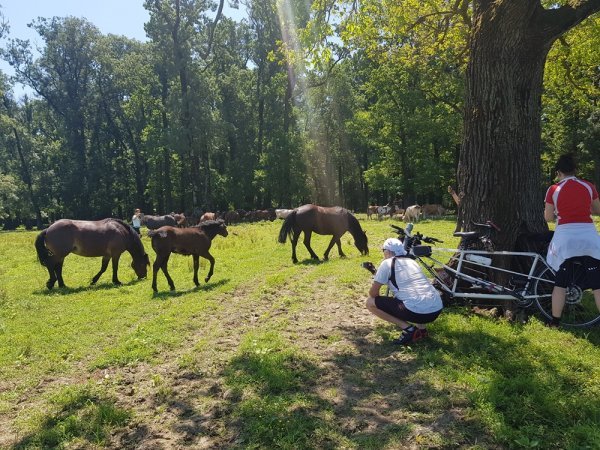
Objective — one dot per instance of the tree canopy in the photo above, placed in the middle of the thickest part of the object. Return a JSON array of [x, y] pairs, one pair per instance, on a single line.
[[331, 102]]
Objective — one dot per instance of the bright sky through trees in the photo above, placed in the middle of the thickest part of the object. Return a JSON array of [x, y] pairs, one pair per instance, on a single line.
[[124, 17]]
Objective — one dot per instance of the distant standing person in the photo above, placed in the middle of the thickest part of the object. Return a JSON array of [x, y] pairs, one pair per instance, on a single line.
[[415, 302], [572, 201], [136, 220]]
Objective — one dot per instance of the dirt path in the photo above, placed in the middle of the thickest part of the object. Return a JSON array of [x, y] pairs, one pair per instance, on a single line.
[[187, 405]]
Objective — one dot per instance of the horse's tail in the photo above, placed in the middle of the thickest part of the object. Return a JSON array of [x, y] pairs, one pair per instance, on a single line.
[[40, 246], [287, 227]]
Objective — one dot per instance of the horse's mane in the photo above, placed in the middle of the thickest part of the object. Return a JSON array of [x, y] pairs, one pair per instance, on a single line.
[[209, 224], [124, 224], [132, 234]]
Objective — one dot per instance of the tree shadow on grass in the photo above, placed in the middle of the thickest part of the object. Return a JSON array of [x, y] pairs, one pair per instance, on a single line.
[[529, 387], [78, 414], [461, 388], [384, 399], [522, 396]]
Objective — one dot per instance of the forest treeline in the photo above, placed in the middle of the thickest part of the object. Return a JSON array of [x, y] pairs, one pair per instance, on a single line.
[[334, 102]]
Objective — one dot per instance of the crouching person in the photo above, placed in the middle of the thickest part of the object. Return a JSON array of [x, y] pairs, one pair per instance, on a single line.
[[415, 302]]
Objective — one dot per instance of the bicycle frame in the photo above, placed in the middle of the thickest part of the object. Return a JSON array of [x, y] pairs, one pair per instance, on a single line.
[[522, 294], [463, 277]]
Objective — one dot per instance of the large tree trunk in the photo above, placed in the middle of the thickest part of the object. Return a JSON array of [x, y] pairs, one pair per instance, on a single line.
[[499, 170]]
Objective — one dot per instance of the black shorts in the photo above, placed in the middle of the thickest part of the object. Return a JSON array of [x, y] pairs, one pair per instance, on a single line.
[[588, 276], [396, 308]]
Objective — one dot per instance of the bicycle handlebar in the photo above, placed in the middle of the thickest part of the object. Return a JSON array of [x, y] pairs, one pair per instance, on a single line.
[[416, 238]]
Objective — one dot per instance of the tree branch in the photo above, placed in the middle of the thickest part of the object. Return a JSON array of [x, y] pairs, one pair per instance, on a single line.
[[555, 22], [211, 33]]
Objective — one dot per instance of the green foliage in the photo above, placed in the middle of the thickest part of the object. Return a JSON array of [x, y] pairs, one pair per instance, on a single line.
[[10, 200], [327, 102], [570, 120]]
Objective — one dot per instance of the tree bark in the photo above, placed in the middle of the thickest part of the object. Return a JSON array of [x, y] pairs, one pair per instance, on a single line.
[[499, 170]]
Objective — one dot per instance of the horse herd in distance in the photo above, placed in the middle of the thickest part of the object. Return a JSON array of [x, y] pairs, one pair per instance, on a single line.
[[110, 238], [412, 213], [153, 222]]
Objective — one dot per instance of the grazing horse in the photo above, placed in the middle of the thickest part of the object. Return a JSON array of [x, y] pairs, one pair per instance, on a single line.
[[371, 210], [384, 211], [195, 240], [179, 218], [231, 217], [334, 220], [155, 222], [107, 238], [208, 216]]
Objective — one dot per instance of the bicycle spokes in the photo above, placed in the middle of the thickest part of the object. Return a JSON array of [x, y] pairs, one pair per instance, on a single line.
[[580, 307]]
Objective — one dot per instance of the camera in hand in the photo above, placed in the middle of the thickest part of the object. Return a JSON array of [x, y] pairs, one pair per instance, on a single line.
[[369, 266]]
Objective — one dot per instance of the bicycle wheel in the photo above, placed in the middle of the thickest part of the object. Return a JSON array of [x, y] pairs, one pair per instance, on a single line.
[[580, 307]]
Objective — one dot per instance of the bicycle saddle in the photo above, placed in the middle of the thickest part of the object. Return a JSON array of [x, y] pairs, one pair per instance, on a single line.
[[467, 234]]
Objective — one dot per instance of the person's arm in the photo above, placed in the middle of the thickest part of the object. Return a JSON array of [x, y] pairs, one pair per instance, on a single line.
[[549, 212], [596, 206], [375, 287]]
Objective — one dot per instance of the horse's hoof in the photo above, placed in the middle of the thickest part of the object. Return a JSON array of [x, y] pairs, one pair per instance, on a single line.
[[93, 282], [117, 283], [206, 279], [49, 285]]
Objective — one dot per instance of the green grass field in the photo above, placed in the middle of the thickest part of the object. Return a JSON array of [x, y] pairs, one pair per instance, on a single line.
[[271, 354]]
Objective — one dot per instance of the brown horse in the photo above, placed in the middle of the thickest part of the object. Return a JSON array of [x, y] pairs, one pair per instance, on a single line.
[[107, 238], [335, 221], [195, 241]]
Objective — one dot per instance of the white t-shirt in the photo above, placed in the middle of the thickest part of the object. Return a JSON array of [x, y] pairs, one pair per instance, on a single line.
[[136, 221], [414, 288]]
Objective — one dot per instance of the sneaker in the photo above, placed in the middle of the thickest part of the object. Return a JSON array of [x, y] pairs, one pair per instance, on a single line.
[[406, 337], [551, 324], [420, 334]]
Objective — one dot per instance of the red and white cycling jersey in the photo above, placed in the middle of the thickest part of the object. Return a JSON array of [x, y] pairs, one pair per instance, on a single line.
[[572, 200]]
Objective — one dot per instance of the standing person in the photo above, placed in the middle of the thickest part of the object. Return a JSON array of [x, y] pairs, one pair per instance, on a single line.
[[136, 220], [415, 301], [572, 201]]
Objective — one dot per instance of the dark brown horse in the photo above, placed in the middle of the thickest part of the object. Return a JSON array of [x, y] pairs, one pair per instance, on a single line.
[[195, 241], [335, 221], [107, 238], [155, 222]]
